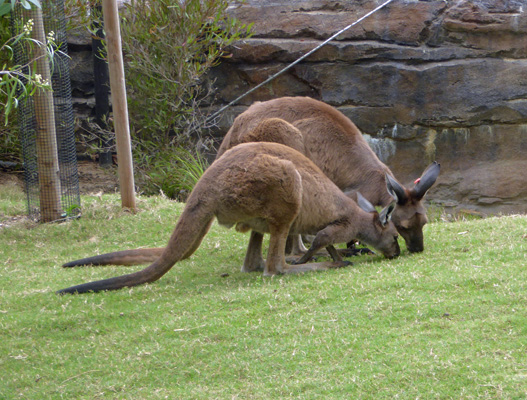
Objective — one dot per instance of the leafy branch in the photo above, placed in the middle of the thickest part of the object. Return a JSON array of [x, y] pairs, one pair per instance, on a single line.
[[19, 81]]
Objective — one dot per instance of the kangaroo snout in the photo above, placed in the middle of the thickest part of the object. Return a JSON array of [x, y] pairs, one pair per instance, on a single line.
[[415, 246], [394, 253]]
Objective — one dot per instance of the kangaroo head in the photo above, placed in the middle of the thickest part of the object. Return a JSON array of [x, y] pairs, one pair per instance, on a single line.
[[409, 215], [384, 235]]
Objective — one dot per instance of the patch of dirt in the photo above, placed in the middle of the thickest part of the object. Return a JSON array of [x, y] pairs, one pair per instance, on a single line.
[[92, 178], [95, 179], [19, 220], [11, 178]]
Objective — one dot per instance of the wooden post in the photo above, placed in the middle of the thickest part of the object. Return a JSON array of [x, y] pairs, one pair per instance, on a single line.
[[46, 135], [120, 109]]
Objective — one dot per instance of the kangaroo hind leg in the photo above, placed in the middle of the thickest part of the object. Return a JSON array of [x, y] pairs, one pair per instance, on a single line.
[[275, 263], [253, 258]]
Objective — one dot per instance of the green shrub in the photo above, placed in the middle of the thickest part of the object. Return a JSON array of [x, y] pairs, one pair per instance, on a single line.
[[9, 143], [172, 172], [169, 47]]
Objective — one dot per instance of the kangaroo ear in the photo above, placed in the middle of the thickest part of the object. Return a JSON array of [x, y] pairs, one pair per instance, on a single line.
[[395, 189], [364, 204], [426, 180], [386, 214]]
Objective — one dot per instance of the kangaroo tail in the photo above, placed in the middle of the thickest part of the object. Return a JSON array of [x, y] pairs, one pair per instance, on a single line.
[[184, 241], [125, 257]]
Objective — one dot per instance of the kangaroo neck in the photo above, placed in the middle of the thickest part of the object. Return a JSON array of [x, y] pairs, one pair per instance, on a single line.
[[366, 227]]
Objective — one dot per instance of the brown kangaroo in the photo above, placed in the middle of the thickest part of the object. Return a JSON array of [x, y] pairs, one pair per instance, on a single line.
[[329, 139], [269, 188]]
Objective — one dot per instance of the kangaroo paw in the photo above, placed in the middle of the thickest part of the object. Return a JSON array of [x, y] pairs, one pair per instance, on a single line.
[[350, 252]]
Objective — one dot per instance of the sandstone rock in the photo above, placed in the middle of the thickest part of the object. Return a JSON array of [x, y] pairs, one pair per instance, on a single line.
[[79, 38], [490, 187], [423, 80], [493, 25], [321, 19], [434, 93], [264, 50], [81, 73]]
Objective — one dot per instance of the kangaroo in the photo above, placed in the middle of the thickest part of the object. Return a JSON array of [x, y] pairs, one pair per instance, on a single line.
[[269, 188], [337, 147]]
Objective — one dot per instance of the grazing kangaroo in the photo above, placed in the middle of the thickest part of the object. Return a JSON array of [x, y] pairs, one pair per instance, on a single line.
[[329, 139], [269, 188]]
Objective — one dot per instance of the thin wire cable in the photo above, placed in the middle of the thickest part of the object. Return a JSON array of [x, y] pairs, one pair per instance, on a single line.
[[211, 117]]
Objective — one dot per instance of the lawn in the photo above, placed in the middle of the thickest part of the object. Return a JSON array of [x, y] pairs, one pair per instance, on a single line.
[[449, 323]]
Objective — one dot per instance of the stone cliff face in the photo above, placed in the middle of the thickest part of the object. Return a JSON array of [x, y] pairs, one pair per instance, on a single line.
[[423, 80]]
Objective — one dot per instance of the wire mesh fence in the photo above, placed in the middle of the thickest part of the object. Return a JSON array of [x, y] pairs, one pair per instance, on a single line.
[[46, 121]]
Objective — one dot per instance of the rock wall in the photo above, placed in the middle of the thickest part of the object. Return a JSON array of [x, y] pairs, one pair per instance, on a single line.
[[423, 80]]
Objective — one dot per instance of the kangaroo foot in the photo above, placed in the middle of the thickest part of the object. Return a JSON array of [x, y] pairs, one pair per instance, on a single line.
[[253, 265]]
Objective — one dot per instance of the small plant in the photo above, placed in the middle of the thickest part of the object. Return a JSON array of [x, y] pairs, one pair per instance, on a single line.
[[172, 172], [169, 47]]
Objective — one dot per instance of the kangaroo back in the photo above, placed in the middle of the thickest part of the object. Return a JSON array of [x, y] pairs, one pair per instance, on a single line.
[[330, 140], [272, 130]]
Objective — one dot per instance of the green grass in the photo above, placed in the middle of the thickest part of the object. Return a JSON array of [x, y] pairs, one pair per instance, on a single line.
[[449, 323]]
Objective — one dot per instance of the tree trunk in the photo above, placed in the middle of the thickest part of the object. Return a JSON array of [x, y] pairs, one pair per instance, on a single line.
[[46, 136]]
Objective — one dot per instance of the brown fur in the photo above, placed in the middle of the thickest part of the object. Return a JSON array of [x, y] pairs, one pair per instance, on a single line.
[[269, 188], [337, 147]]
